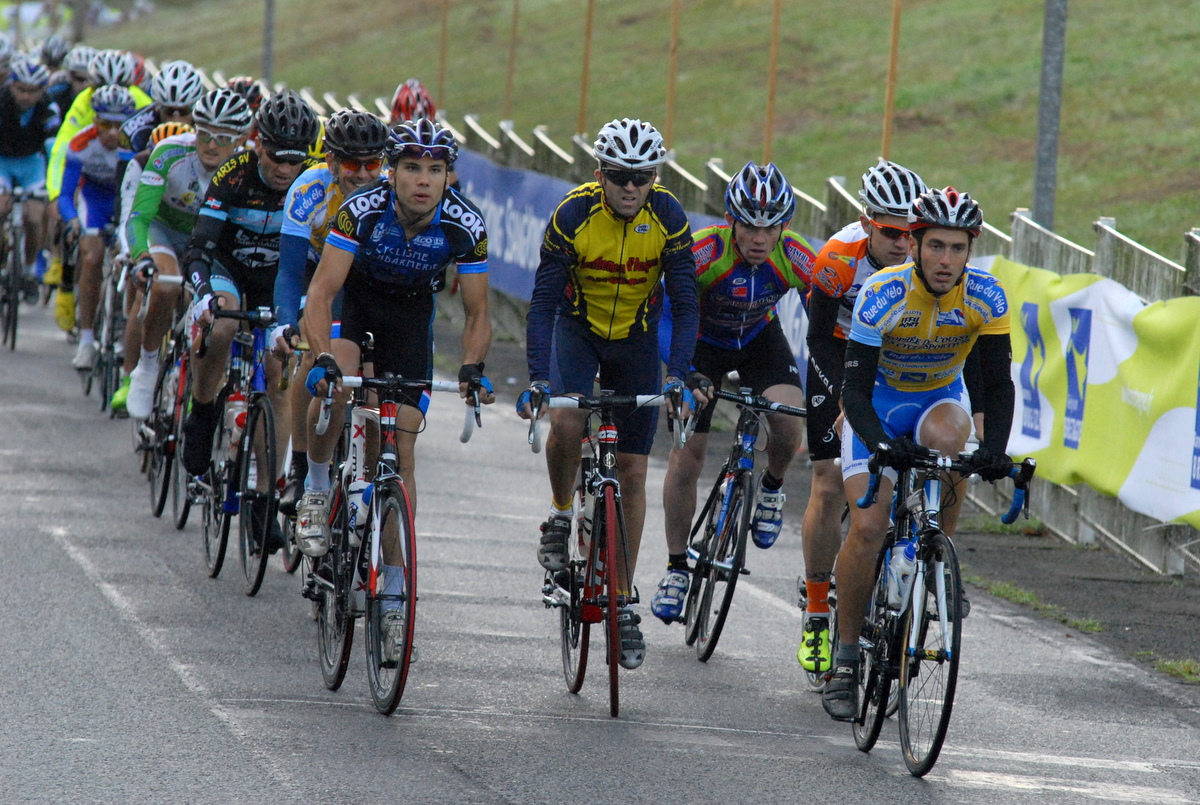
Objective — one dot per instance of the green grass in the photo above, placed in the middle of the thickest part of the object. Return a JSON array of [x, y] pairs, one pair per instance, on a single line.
[[1187, 670], [989, 524], [1026, 598], [966, 100]]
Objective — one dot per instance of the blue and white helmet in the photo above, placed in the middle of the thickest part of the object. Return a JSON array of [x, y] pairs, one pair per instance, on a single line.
[[28, 71], [113, 102], [760, 196], [424, 137]]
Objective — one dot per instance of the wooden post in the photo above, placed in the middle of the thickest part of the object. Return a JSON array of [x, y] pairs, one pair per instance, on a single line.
[[512, 61], [672, 70], [889, 102], [441, 85], [772, 61], [581, 121]]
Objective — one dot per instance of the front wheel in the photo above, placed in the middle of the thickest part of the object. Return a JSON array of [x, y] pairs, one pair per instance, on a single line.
[[726, 557], [215, 518], [932, 647], [391, 597], [609, 531], [256, 510], [332, 579]]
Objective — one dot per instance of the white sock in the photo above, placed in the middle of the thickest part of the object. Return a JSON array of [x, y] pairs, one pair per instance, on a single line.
[[318, 477], [87, 337], [150, 357]]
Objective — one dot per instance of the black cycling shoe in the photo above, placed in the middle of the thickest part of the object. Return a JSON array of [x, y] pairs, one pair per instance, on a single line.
[[552, 552], [198, 430], [840, 697], [293, 490], [274, 536]]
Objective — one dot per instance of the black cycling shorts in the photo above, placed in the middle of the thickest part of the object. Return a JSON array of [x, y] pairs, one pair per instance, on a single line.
[[764, 362], [402, 330], [824, 441], [255, 287]]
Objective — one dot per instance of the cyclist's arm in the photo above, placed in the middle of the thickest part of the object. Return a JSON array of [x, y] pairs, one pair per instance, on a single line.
[[825, 353], [289, 281], [549, 284], [477, 330], [679, 274], [71, 174], [318, 306], [129, 186], [78, 118], [147, 196], [862, 362], [997, 390]]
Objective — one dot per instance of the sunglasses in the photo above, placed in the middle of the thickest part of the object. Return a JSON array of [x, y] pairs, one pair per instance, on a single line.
[[175, 111], [106, 125], [223, 140], [352, 165], [890, 232], [284, 156], [621, 178], [78, 78]]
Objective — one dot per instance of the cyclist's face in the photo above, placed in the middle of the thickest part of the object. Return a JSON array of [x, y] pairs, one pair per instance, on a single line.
[[418, 183], [944, 254], [351, 173], [755, 243], [215, 145], [886, 250], [108, 132], [278, 174], [26, 95], [624, 200]]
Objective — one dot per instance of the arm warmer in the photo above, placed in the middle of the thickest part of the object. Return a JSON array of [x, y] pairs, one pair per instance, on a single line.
[[997, 394], [862, 362], [289, 280], [825, 350]]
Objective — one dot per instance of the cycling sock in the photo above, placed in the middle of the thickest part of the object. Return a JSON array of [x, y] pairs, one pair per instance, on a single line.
[[769, 482], [318, 477], [847, 654], [87, 336], [818, 597], [559, 511], [677, 561], [299, 464], [151, 357], [393, 584]]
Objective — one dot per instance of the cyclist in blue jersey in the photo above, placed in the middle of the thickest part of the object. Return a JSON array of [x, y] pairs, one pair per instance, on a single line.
[[354, 142], [743, 268], [389, 247], [912, 329]]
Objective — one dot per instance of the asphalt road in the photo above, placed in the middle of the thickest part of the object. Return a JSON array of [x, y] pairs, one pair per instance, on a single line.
[[129, 676]]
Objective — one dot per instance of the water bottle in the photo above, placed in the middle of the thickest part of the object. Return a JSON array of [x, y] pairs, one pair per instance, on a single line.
[[901, 565], [358, 500], [584, 520], [235, 421]]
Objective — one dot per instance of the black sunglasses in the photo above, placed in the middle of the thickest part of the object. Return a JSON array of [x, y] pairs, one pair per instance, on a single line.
[[284, 156], [622, 177]]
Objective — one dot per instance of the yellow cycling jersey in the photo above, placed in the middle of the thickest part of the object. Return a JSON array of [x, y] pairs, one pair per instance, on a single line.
[[76, 120], [924, 339]]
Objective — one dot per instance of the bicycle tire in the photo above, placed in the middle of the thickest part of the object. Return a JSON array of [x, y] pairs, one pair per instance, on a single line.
[[395, 522], [159, 466], [574, 631], [691, 616], [334, 576], [929, 671], [256, 510], [289, 554], [216, 519], [611, 536], [728, 556], [874, 677], [181, 487], [12, 292]]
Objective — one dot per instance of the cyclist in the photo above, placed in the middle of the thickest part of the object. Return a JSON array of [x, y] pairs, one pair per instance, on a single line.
[[174, 90], [743, 268], [389, 248], [91, 171], [912, 329], [878, 239], [26, 117], [597, 296], [53, 52], [233, 254], [163, 215], [73, 78], [354, 142]]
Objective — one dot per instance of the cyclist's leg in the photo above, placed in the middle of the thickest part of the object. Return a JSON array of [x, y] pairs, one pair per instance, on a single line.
[[945, 426], [679, 490], [208, 376], [33, 217]]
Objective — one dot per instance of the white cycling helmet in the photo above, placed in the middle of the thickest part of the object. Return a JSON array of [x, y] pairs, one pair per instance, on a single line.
[[223, 108], [946, 209], [890, 189], [629, 144], [28, 71], [760, 196], [113, 102], [112, 67], [79, 59], [177, 84]]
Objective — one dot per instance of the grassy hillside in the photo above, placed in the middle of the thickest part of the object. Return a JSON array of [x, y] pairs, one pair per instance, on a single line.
[[967, 99]]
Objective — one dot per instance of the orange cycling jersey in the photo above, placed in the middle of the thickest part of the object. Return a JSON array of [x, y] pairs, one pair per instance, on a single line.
[[841, 269]]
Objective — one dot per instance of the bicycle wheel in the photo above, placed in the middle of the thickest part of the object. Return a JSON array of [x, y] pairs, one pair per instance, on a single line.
[[875, 677], [929, 671], [728, 555], [573, 629], [257, 461], [332, 580], [609, 532], [701, 559], [159, 424], [387, 670], [181, 491], [289, 553], [10, 294], [215, 521]]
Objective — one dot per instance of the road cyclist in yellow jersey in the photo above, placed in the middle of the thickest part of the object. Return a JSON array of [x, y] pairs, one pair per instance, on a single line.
[[743, 268], [878, 239], [610, 248], [904, 397]]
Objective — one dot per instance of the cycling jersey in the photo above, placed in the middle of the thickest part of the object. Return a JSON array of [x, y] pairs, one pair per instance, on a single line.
[[924, 339], [134, 134], [609, 272], [78, 117], [170, 190], [23, 133], [238, 226], [737, 300], [840, 270], [90, 165], [386, 261], [311, 205]]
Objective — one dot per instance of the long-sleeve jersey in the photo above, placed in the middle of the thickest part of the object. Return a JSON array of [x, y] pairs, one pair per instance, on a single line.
[[87, 162], [311, 205], [610, 272], [170, 190], [77, 118]]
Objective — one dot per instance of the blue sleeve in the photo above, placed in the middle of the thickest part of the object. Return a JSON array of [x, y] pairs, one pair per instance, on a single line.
[[550, 282], [679, 275], [289, 281], [72, 171], [665, 322]]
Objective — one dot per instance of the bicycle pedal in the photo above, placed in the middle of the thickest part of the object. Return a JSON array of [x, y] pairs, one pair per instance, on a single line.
[[744, 572]]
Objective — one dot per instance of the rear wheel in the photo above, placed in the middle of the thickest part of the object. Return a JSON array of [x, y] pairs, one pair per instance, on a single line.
[[387, 665], [874, 677], [929, 671], [333, 580], [160, 430], [727, 556], [256, 510], [215, 521], [10, 295]]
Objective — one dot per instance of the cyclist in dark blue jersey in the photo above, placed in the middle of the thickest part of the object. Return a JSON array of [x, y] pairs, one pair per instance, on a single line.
[[389, 248]]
